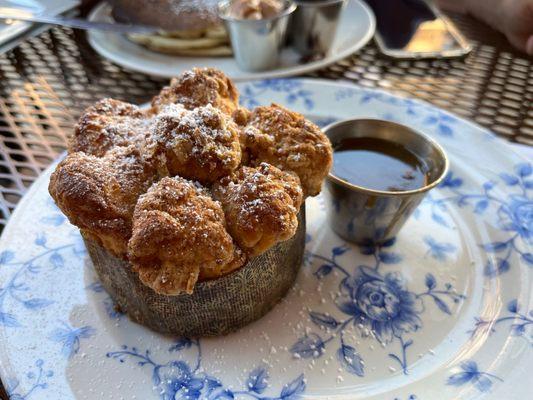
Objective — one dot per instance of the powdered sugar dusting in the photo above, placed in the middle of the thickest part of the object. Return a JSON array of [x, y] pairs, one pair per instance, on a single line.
[[205, 8], [202, 143]]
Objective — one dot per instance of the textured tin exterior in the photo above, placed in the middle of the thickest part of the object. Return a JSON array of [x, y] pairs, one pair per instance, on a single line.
[[216, 307]]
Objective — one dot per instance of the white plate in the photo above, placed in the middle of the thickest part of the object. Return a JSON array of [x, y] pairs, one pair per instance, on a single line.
[[356, 28], [48, 7], [457, 324]]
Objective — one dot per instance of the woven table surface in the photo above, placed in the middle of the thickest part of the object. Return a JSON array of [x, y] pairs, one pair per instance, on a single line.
[[48, 80]]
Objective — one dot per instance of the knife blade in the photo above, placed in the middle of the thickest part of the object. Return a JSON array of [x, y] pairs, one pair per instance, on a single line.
[[7, 13]]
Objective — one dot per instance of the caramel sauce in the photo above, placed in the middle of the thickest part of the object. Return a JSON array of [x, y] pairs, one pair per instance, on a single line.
[[378, 164]]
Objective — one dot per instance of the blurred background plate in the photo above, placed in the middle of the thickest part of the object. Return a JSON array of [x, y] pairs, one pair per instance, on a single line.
[[356, 28], [9, 31]]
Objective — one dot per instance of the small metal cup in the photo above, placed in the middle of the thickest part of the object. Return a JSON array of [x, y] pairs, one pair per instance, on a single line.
[[363, 215], [313, 26], [257, 44]]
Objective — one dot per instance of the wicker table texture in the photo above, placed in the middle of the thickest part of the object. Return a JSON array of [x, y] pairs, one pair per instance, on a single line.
[[48, 80]]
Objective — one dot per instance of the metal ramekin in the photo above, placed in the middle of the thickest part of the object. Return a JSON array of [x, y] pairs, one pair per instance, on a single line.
[[257, 44], [363, 215], [313, 26]]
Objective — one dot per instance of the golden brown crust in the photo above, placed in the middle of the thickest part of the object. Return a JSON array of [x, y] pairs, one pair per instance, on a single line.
[[200, 87], [261, 206], [99, 194], [178, 231], [210, 271], [241, 116], [108, 123], [290, 142], [200, 144]]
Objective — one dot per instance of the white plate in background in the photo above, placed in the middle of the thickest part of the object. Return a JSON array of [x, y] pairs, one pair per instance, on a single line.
[[46, 7], [356, 28]]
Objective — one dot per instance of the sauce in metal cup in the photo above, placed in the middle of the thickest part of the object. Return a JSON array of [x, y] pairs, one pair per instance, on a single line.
[[362, 214]]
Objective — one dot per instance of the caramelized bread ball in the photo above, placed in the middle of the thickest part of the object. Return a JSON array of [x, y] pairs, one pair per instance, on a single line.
[[107, 124], [261, 206], [290, 142], [241, 116], [99, 194], [178, 231], [200, 87], [200, 144]]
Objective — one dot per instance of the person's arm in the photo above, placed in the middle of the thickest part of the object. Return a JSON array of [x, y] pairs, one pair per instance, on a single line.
[[514, 18]]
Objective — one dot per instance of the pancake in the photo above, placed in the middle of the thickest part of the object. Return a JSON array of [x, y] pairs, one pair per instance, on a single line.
[[173, 44], [188, 27], [219, 51]]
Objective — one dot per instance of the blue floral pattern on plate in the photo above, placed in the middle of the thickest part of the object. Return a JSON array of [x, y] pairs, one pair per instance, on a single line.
[[17, 288], [70, 338], [379, 304], [433, 314], [37, 380], [513, 211], [177, 379], [470, 374], [520, 322], [293, 91]]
